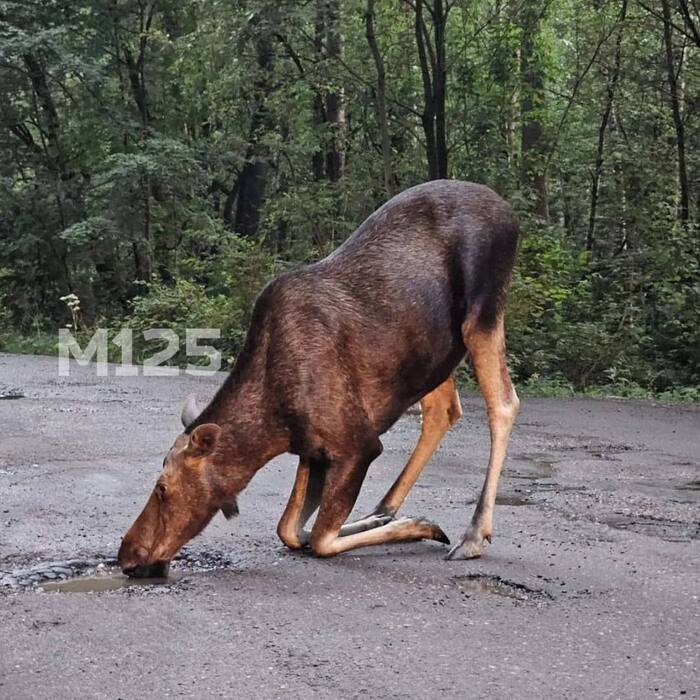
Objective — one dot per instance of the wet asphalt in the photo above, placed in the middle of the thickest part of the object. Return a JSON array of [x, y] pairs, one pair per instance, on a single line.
[[590, 589]]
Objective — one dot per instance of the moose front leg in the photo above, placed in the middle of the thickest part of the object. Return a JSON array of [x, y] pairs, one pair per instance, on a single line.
[[303, 501], [440, 410], [487, 350], [340, 491]]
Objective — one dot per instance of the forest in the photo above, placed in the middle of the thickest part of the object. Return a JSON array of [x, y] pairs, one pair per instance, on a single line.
[[162, 159]]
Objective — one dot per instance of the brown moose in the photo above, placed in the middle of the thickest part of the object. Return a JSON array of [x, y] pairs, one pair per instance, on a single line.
[[336, 352]]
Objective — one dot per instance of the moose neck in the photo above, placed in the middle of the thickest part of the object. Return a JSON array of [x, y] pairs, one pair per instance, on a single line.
[[250, 435]]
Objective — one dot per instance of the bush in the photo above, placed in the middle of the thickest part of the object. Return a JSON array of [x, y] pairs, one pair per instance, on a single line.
[[215, 290]]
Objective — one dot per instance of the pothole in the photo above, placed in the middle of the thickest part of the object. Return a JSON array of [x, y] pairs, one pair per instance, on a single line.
[[478, 584], [688, 492], [51, 571], [668, 530], [512, 499], [508, 498], [10, 392], [101, 573], [537, 465]]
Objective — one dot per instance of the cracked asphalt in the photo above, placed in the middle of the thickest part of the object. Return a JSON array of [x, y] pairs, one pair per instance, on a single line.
[[591, 587]]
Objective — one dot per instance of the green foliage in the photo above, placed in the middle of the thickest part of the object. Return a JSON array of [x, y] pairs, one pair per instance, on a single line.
[[131, 134], [212, 290]]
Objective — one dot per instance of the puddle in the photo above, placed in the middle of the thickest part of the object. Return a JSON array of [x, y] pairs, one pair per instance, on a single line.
[[108, 579], [102, 574], [477, 584]]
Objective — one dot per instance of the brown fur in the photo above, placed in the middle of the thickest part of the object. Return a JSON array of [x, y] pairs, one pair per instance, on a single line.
[[335, 354]]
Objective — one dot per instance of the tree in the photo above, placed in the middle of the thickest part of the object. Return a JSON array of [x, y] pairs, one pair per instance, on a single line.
[[155, 152], [249, 189], [610, 90], [380, 99], [674, 70], [432, 54], [533, 140], [329, 103]]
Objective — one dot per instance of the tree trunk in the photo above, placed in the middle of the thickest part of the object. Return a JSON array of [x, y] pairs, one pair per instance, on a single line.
[[56, 159], [691, 24], [433, 65], [335, 101], [440, 86], [380, 99], [135, 64], [329, 104], [318, 159], [54, 151], [610, 97], [252, 182], [533, 142], [619, 172], [675, 87]]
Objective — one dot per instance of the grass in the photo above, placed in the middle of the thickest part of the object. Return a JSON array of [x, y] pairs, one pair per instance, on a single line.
[[545, 387], [38, 344]]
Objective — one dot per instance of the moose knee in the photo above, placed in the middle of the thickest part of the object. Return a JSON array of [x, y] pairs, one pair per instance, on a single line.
[[505, 412], [323, 546], [513, 404], [289, 536], [440, 418]]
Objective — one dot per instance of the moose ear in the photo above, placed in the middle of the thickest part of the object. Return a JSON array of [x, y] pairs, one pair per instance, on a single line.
[[203, 439], [230, 509]]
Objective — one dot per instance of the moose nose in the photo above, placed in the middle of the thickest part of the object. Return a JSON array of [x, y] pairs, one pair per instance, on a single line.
[[158, 569], [131, 557]]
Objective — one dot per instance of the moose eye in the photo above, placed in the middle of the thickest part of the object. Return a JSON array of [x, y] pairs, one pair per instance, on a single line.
[[160, 491]]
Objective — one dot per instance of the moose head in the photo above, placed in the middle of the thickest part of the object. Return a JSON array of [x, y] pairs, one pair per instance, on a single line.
[[190, 489]]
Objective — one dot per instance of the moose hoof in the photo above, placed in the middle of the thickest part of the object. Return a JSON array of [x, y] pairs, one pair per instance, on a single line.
[[471, 547], [433, 530]]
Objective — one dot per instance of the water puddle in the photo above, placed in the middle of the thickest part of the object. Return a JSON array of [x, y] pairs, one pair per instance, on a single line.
[[102, 574], [477, 584], [107, 579]]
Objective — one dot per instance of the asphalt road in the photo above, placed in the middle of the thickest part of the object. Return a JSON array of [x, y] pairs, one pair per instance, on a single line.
[[590, 589]]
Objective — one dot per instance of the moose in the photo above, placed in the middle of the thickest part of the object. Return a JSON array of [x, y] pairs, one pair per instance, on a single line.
[[336, 352]]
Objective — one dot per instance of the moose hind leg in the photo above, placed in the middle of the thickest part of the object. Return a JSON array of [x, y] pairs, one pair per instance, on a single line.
[[440, 409], [343, 482], [487, 350]]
